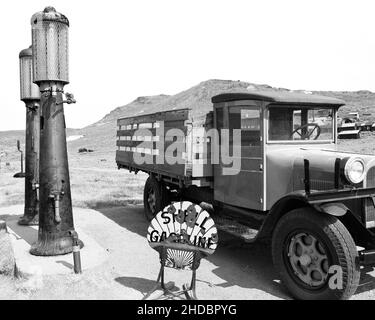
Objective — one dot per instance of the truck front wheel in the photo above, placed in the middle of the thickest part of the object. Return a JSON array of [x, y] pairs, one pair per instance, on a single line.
[[155, 197], [315, 255]]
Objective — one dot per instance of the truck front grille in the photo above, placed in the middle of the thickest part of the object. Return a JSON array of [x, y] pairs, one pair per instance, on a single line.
[[370, 179], [369, 206], [318, 184]]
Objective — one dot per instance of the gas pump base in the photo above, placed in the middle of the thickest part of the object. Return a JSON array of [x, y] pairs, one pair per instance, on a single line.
[[53, 245]]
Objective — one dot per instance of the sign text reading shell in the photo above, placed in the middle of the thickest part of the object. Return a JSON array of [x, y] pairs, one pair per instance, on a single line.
[[185, 226]]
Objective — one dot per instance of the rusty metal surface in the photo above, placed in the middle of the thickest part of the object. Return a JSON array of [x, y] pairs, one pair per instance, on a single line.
[[235, 228], [49, 14], [284, 169], [53, 236], [50, 38], [241, 186], [28, 90], [32, 138], [278, 96]]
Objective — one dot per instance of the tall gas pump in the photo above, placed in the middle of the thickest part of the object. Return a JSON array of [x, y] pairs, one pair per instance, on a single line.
[[51, 74], [31, 97]]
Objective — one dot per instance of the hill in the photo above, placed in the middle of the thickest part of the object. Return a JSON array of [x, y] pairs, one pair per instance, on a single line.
[[362, 101], [8, 143], [101, 136], [199, 99]]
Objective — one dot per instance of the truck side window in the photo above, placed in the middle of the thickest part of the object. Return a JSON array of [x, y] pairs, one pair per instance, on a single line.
[[281, 123], [250, 127], [219, 118], [248, 120]]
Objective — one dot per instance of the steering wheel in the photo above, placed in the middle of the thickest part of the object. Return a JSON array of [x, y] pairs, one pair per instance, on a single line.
[[308, 134]]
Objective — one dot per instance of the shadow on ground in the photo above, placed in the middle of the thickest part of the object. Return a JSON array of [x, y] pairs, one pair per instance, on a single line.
[[367, 281], [236, 263], [29, 234], [140, 284], [130, 217], [246, 265]]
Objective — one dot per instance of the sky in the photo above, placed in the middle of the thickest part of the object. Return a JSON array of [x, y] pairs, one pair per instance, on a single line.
[[120, 50]]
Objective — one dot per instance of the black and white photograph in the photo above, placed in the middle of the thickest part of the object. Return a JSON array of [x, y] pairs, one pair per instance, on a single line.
[[187, 155]]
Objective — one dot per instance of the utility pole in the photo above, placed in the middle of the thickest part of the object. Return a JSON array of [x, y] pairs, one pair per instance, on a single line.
[[51, 74], [31, 97]]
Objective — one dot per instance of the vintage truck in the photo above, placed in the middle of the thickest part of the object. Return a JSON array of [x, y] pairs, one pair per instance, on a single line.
[[270, 172]]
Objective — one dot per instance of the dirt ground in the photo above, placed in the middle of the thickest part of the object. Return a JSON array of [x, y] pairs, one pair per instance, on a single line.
[[114, 218], [234, 271]]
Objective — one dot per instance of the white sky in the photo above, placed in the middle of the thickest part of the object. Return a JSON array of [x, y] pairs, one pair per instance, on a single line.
[[120, 50]]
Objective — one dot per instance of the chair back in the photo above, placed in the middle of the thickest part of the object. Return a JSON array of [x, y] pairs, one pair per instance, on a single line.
[[183, 233]]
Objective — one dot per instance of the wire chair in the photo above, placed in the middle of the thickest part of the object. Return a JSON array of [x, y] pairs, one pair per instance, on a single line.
[[177, 251], [180, 257]]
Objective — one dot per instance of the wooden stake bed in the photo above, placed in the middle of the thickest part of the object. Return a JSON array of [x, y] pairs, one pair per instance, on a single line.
[[151, 137]]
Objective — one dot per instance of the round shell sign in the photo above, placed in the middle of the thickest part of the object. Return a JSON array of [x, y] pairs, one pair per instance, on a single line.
[[183, 223]]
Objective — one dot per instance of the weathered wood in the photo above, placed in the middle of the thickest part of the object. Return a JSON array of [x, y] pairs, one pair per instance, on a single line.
[[171, 115], [190, 146]]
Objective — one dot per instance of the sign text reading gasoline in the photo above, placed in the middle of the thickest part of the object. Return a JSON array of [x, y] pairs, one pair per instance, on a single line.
[[189, 217]]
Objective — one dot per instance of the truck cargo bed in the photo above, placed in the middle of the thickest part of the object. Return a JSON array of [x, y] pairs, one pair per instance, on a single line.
[[144, 143]]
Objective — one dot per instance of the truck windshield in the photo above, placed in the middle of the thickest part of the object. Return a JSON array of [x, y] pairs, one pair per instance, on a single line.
[[300, 123]]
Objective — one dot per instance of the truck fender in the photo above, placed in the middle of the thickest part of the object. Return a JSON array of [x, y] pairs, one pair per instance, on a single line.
[[293, 201], [281, 207], [336, 209], [360, 233]]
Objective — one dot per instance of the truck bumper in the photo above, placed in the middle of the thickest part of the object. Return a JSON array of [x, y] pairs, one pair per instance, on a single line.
[[339, 195]]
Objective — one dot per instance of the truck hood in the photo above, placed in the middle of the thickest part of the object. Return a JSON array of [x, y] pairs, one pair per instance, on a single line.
[[285, 168]]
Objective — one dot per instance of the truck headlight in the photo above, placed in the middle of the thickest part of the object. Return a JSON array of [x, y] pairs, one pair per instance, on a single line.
[[354, 170]]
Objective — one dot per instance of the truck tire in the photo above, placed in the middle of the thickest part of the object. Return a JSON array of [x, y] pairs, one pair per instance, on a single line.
[[155, 197], [315, 255]]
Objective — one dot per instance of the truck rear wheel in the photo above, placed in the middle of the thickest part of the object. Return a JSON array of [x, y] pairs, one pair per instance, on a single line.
[[315, 255], [155, 197]]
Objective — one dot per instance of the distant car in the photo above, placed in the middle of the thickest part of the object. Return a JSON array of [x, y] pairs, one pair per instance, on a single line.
[[84, 150], [349, 131], [354, 115], [366, 126]]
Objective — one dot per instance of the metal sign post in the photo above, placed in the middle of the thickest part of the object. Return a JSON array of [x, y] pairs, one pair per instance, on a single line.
[[51, 74], [20, 174], [31, 96]]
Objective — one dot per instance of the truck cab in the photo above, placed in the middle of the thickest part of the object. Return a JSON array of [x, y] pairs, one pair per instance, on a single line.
[[292, 174], [278, 131]]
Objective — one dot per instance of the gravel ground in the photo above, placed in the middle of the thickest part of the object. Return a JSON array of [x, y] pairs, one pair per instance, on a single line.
[[234, 271]]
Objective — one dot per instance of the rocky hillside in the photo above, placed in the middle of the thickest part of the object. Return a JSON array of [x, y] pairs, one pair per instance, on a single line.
[[199, 99], [101, 136], [138, 106], [362, 101]]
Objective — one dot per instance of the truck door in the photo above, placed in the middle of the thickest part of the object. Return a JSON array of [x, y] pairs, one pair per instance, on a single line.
[[244, 188]]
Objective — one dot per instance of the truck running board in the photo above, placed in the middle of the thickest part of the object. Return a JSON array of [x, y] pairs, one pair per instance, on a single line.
[[235, 228]]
